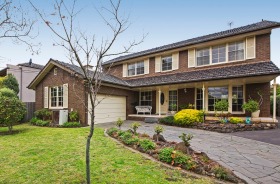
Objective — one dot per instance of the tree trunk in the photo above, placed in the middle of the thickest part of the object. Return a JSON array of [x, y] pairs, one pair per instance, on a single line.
[[10, 128], [88, 146]]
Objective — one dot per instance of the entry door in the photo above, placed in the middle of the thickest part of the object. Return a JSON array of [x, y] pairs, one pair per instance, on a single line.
[[164, 106]]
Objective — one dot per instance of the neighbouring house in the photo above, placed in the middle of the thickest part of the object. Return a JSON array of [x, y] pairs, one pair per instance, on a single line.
[[234, 65]]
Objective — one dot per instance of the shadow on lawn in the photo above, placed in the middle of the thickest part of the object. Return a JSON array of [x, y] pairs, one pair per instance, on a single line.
[[6, 132]]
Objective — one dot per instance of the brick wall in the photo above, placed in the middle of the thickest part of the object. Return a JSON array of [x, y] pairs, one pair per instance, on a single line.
[[186, 98], [264, 89], [262, 54]]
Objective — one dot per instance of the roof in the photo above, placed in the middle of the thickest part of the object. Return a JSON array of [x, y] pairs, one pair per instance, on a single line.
[[231, 32], [32, 65], [226, 72]]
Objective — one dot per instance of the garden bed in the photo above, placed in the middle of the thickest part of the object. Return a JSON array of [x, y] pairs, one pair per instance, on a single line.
[[174, 154]]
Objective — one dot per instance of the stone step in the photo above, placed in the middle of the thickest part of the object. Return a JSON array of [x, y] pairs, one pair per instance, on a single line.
[[151, 120]]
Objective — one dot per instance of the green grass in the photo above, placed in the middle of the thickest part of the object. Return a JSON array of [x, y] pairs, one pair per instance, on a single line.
[[56, 155]]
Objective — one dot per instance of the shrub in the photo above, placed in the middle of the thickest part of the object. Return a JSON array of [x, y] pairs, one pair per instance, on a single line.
[[221, 105], [135, 126], [11, 82], [71, 124], [74, 116], [112, 130], [147, 144], [158, 129], [169, 120], [8, 93], [180, 158], [42, 123], [251, 106], [186, 138], [165, 155], [131, 141], [220, 172], [235, 120], [188, 117], [119, 123], [43, 114], [12, 111], [120, 133], [126, 136], [33, 121]]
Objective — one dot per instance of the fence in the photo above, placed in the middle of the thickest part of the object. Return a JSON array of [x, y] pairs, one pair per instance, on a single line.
[[30, 109]]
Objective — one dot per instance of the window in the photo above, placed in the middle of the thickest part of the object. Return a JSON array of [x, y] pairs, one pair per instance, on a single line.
[[166, 63], [146, 98], [172, 100], [202, 57], [237, 98], [236, 51], [55, 71], [199, 99], [219, 54], [135, 68], [216, 94], [56, 96]]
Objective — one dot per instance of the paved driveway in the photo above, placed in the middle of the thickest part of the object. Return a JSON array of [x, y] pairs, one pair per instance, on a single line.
[[254, 161]]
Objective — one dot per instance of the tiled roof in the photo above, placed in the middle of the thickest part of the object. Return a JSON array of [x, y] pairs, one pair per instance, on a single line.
[[226, 72], [231, 32], [32, 65], [105, 77]]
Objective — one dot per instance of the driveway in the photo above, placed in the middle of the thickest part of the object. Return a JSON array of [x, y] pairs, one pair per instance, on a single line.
[[251, 160]]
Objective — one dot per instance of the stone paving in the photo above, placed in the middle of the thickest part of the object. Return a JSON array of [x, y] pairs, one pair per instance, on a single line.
[[251, 160]]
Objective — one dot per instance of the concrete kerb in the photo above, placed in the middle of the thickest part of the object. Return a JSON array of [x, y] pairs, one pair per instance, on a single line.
[[194, 175]]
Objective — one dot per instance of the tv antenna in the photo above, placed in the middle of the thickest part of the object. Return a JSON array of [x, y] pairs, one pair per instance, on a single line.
[[230, 24]]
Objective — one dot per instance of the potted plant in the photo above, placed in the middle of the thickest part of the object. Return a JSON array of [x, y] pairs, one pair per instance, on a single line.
[[253, 107], [173, 108]]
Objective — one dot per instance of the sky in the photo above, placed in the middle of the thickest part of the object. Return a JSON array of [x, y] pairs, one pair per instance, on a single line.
[[164, 22]]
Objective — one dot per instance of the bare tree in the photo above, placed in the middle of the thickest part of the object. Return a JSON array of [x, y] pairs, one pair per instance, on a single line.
[[83, 49], [15, 24]]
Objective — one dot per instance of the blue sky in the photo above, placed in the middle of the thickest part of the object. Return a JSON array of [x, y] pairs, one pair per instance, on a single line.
[[165, 21]]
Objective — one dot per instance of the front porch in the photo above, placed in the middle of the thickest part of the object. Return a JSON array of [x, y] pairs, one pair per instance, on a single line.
[[203, 95]]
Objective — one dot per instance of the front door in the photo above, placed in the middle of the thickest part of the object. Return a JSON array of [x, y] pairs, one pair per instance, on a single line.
[[163, 103]]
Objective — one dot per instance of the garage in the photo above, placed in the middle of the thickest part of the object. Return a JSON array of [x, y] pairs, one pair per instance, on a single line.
[[110, 109]]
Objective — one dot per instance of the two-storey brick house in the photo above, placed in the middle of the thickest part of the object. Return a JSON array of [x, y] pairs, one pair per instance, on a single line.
[[234, 65]]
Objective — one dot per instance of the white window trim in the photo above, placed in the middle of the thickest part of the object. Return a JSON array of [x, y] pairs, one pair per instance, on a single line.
[[177, 98], [50, 99], [135, 63]]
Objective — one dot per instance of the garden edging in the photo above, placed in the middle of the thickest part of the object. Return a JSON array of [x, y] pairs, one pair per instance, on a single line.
[[164, 164]]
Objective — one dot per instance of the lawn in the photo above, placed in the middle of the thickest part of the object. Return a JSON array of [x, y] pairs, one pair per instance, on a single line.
[[56, 155]]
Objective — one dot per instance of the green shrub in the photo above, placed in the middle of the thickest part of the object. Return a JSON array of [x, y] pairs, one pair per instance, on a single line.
[[120, 133], [220, 172], [147, 144], [158, 129], [7, 92], [71, 124], [169, 120], [165, 155], [235, 120], [11, 82], [119, 123], [74, 116], [33, 121], [180, 158], [221, 105], [43, 114], [42, 123], [126, 136], [188, 117], [135, 126], [186, 138], [112, 130], [12, 110], [131, 141], [251, 106]]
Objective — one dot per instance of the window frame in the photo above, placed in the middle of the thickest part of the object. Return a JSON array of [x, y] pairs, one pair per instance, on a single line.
[[218, 53], [169, 63], [172, 100], [149, 100], [202, 50], [135, 68], [243, 98], [58, 97], [244, 51], [217, 99]]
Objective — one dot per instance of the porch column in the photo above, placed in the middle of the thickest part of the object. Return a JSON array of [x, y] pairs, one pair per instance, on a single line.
[[203, 97], [274, 99], [159, 93]]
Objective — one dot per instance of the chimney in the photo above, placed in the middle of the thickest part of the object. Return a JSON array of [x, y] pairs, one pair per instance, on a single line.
[[30, 61], [88, 67]]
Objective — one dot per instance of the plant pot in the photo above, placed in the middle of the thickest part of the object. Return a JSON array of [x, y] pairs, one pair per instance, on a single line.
[[256, 114]]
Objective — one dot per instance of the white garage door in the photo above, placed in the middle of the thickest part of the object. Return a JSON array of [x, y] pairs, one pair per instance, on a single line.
[[110, 109]]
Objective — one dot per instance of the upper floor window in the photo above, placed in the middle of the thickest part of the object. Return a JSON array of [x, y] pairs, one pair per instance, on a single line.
[[219, 54], [236, 51], [202, 57], [166, 63], [135, 68], [56, 96]]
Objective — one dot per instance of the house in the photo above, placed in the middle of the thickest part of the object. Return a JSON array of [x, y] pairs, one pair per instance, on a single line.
[[234, 65], [24, 73]]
